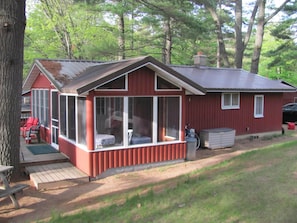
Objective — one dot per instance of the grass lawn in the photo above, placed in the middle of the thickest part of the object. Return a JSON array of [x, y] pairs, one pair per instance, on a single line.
[[258, 186]]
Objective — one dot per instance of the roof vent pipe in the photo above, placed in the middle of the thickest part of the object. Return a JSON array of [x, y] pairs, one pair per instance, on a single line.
[[200, 60]]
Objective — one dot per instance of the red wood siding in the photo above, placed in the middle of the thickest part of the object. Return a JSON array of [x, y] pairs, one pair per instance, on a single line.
[[42, 82], [78, 157], [140, 83], [45, 134], [204, 112], [289, 97], [95, 163]]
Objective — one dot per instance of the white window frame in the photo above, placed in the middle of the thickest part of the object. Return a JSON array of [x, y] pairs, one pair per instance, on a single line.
[[256, 113], [40, 106], [154, 124], [230, 106], [178, 88], [124, 89]]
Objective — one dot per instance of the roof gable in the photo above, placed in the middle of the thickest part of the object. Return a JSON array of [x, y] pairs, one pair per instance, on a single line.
[[79, 77], [59, 72]]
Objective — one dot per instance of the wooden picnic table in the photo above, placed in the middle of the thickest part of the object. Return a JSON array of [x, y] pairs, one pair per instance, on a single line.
[[9, 191]]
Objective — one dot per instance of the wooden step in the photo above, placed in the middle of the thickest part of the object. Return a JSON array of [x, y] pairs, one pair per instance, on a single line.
[[56, 175]]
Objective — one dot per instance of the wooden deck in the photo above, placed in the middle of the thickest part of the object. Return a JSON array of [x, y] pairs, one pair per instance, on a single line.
[[56, 175], [49, 171]]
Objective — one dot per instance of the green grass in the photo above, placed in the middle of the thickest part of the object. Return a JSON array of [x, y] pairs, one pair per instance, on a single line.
[[258, 186]]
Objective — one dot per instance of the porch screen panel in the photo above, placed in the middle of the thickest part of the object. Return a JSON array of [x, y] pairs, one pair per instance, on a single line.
[[46, 108], [81, 121], [63, 127], [34, 102], [71, 118], [140, 113], [168, 118], [109, 121], [40, 106], [55, 114]]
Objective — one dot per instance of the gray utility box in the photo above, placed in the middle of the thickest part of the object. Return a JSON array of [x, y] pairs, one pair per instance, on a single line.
[[217, 138]]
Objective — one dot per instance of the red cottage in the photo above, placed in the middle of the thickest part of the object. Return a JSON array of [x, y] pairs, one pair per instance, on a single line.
[[107, 116]]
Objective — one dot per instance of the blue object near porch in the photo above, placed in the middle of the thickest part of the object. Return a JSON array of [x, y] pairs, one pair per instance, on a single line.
[[41, 149]]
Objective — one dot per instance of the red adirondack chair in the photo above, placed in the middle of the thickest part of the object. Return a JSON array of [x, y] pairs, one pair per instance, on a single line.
[[31, 129]]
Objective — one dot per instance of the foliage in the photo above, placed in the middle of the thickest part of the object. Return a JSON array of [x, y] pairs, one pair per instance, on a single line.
[[254, 187], [93, 30], [282, 49]]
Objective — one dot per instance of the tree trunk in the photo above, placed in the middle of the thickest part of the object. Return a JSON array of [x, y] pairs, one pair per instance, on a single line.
[[12, 27], [258, 38], [121, 38], [167, 45], [239, 47], [222, 56], [57, 9]]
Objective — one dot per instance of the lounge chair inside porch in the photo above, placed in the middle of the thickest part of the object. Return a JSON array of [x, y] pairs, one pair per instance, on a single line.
[[31, 129]]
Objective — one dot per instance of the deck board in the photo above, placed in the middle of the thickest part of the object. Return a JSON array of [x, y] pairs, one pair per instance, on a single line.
[[48, 171], [55, 175]]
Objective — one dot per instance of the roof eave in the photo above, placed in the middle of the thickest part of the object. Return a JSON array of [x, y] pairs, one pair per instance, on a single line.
[[217, 90]]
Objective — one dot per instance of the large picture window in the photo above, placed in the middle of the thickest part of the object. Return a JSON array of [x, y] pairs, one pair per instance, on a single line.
[[129, 121], [259, 106], [230, 100]]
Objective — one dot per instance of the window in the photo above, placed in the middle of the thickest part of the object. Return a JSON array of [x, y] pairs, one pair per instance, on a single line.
[[68, 117], [40, 105], [119, 83], [55, 105], [259, 106], [81, 121], [63, 123], [141, 119], [163, 84], [109, 122], [71, 118], [168, 118], [230, 100], [124, 121]]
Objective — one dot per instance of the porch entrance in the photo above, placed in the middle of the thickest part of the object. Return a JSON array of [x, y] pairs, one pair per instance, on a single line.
[[55, 120]]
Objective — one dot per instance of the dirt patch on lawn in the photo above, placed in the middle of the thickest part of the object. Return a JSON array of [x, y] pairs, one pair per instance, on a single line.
[[38, 205]]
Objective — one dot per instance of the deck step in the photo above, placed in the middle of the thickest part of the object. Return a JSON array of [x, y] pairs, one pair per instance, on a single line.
[[56, 175]]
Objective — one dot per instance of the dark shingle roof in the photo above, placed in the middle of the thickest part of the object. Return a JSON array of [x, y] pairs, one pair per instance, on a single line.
[[228, 79], [79, 77]]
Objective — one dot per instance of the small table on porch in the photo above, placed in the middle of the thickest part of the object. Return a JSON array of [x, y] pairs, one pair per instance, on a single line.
[[9, 191]]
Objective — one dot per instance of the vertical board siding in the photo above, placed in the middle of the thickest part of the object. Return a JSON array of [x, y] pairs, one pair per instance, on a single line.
[[141, 82], [105, 160], [204, 112], [42, 82]]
